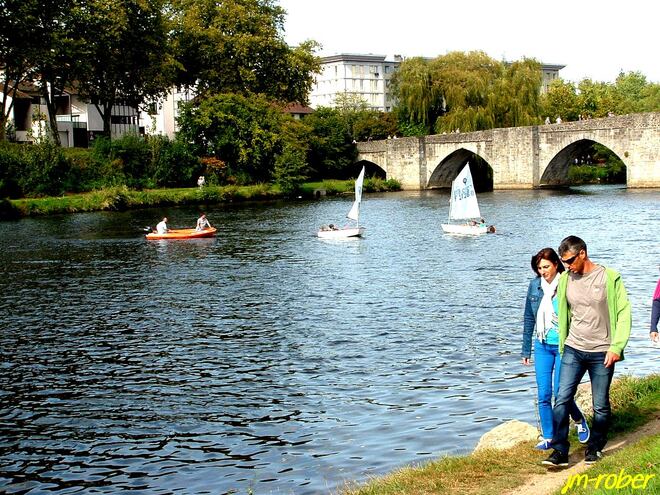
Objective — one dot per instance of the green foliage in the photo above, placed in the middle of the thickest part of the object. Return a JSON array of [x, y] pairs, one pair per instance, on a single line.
[[376, 184], [630, 93], [243, 132], [171, 163], [37, 170], [291, 163], [374, 124], [237, 46], [420, 99], [466, 92], [331, 150], [127, 56], [593, 174]]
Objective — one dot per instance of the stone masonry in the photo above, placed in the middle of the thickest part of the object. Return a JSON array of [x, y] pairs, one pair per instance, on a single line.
[[521, 157]]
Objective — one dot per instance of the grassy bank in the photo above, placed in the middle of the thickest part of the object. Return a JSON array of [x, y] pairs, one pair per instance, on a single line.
[[634, 402], [123, 198]]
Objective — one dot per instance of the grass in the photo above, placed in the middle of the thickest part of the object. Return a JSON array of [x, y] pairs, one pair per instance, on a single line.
[[634, 402], [640, 461], [121, 198]]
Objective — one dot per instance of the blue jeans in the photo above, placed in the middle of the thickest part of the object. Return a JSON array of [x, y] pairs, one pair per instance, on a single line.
[[547, 364], [574, 364]]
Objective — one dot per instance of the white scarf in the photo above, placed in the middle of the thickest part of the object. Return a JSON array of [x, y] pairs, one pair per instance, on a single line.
[[546, 311]]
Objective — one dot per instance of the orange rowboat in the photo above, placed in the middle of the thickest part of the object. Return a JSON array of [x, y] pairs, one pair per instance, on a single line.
[[182, 234]]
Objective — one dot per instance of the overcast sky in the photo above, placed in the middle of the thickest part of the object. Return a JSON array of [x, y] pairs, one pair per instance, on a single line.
[[594, 39]]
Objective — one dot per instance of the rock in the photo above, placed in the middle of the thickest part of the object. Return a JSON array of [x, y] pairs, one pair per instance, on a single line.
[[507, 435], [583, 399]]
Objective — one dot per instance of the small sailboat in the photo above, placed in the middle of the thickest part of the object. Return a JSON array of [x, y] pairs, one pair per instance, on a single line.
[[332, 232], [463, 205]]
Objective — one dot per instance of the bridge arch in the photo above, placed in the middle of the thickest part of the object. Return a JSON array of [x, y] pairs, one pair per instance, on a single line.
[[448, 168], [580, 152], [371, 169]]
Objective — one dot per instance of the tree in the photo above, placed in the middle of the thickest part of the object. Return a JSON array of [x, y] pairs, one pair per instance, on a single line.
[[291, 168], [17, 51], [466, 82], [331, 151], [630, 92], [420, 101], [128, 56], [243, 132], [560, 101], [57, 46], [237, 46], [516, 101], [595, 99]]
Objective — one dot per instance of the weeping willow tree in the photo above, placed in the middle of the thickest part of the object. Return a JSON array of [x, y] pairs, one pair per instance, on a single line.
[[419, 100], [467, 82], [468, 92], [518, 101]]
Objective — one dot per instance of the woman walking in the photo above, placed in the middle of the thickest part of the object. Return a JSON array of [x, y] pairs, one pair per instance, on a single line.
[[541, 314]]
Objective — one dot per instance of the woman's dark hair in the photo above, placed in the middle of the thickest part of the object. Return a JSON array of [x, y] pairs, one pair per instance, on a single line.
[[546, 254]]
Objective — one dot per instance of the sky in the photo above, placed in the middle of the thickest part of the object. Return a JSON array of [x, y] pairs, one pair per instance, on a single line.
[[593, 39]]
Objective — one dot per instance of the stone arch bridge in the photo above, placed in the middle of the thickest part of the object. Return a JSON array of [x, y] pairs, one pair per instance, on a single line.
[[521, 157]]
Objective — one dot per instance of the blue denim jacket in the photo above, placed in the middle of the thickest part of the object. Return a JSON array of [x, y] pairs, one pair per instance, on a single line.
[[532, 303]]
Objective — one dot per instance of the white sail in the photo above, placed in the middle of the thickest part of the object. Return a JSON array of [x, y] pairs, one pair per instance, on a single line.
[[354, 213], [463, 200]]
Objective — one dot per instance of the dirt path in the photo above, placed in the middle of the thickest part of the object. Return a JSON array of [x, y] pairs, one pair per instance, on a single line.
[[553, 480]]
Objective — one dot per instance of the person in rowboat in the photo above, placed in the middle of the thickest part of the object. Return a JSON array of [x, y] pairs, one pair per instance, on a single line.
[[161, 228], [541, 313], [202, 223]]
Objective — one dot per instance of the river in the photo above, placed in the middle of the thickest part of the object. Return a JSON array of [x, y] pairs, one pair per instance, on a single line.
[[269, 361]]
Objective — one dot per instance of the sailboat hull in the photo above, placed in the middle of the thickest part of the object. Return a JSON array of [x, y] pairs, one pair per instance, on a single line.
[[341, 233], [463, 229]]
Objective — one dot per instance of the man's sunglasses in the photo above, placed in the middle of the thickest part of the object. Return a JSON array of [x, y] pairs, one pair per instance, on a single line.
[[570, 260]]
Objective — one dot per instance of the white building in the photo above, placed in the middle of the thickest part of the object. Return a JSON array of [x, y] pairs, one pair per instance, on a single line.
[[366, 76], [162, 116], [78, 122]]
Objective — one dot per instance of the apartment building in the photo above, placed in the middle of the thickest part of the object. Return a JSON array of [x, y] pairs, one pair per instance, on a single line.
[[367, 76]]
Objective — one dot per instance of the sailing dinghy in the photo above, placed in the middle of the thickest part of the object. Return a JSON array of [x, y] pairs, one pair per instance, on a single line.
[[463, 205], [333, 232]]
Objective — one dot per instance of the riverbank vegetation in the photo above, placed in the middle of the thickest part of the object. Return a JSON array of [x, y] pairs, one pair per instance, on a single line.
[[235, 129], [634, 402], [121, 198]]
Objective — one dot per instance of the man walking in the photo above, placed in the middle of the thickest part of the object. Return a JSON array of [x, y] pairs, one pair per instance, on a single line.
[[594, 326]]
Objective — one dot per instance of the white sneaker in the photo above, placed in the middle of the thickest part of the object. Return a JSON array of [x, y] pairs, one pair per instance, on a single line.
[[544, 444]]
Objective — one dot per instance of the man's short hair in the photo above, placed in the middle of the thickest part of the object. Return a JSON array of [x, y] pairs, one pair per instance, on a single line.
[[573, 244]]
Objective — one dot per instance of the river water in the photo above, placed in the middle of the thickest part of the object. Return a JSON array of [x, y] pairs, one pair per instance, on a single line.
[[269, 361]]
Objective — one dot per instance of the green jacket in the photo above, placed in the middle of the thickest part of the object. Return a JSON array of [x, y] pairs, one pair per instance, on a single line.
[[617, 303]]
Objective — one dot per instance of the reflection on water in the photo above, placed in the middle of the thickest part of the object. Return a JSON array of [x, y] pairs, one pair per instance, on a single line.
[[269, 360]]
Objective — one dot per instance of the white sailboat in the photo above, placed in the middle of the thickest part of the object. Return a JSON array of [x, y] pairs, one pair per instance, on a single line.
[[463, 205], [332, 232]]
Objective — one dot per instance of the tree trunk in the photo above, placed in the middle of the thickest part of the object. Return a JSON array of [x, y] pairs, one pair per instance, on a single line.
[[50, 106]]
